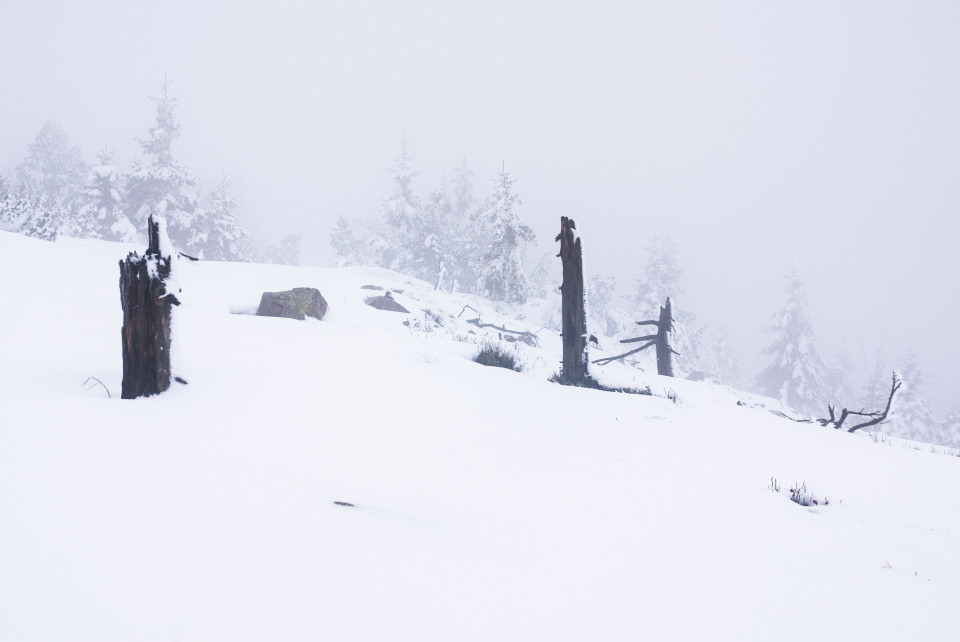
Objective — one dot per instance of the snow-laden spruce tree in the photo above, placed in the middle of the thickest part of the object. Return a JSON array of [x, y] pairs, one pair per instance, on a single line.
[[217, 234], [720, 357], [53, 169], [796, 375], [101, 214], [836, 381], [438, 252], [400, 246], [466, 234], [348, 248], [162, 185], [49, 181], [911, 418], [14, 209], [660, 277], [507, 238], [950, 429]]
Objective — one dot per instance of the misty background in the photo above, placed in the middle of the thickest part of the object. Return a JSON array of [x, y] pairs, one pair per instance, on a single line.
[[760, 137]]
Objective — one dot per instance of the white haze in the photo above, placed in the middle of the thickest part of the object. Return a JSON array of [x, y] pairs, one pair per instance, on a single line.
[[763, 137]]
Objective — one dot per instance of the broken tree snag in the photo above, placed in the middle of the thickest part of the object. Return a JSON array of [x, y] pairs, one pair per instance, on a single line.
[[661, 340], [573, 310], [664, 351], [146, 307]]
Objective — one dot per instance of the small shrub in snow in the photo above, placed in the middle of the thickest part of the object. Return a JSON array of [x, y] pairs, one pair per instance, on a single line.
[[800, 495], [494, 354]]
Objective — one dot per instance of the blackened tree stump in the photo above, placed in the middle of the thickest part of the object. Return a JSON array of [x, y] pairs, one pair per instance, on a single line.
[[573, 309], [146, 307]]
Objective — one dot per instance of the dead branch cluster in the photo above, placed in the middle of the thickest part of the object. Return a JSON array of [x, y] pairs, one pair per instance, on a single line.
[[872, 418]]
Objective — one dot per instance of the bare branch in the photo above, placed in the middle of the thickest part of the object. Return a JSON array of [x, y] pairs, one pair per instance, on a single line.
[[607, 360], [877, 417], [522, 333], [656, 323], [649, 337]]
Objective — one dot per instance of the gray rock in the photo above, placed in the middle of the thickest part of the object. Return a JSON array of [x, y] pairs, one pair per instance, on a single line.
[[297, 303], [385, 303]]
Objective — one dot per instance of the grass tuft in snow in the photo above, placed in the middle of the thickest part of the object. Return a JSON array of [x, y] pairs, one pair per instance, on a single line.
[[495, 354]]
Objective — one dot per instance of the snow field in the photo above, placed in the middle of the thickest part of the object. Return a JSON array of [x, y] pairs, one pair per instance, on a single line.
[[488, 505]]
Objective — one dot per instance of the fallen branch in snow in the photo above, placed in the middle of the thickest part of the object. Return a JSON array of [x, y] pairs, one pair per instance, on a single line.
[[874, 417], [529, 335]]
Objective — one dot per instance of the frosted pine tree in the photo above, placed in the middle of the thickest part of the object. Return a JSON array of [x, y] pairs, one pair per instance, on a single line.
[[720, 358], [101, 215], [53, 169], [911, 418], [502, 275], [162, 185], [401, 237], [348, 248], [661, 277], [950, 429], [796, 375], [44, 219], [438, 250], [837, 387], [49, 181], [465, 231], [14, 210], [216, 234]]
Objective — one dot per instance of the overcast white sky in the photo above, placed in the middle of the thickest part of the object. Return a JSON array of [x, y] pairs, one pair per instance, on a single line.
[[762, 136]]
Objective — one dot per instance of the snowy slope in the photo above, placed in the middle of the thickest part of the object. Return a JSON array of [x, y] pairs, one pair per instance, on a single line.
[[489, 505]]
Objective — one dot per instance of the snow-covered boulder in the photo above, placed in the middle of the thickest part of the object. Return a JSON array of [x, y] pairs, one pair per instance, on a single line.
[[385, 302], [297, 303]]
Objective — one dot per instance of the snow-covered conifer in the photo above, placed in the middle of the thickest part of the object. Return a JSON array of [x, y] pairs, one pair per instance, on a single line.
[[502, 276], [660, 277], [14, 209], [217, 234], [401, 218], [837, 387], [348, 248], [720, 357], [162, 185], [53, 169], [102, 215], [911, 418], [796, 375]]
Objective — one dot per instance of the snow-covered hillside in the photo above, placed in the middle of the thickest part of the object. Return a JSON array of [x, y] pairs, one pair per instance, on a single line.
[[487, 504]]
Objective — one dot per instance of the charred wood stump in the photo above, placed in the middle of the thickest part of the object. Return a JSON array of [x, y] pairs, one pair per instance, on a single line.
[[146, 307], [573, 310]]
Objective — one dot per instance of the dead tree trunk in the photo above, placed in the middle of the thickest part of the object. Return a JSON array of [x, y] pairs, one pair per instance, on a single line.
[[664, 351], [661, 340], [146, 319], [572, 310]]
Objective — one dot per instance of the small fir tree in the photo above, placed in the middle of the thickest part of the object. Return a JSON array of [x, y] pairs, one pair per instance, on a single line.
[[163, 186], [796, 375], [911, 418], [101, 215], [502, 275]]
